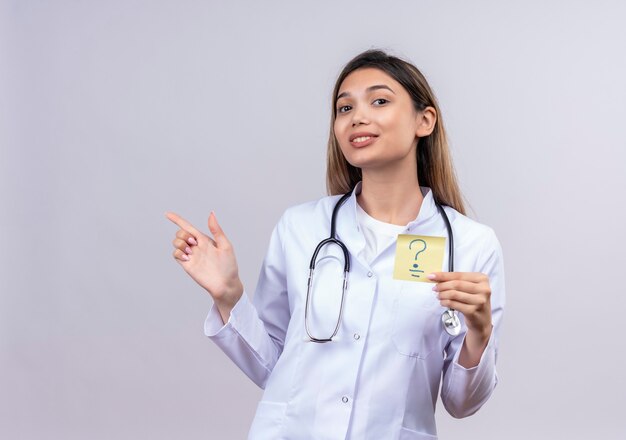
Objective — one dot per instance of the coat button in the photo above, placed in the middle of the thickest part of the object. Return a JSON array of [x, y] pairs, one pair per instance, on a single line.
[[369, 274], [357, 336], [344, 399]]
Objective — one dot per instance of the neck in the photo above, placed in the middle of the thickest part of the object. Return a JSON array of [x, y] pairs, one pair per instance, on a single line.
[[392, 195]]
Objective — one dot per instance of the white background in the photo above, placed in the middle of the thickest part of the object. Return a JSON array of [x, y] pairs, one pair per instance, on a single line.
[[112, 113]]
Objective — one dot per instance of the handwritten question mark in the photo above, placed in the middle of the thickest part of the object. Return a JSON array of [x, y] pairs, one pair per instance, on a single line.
[[415, 265]]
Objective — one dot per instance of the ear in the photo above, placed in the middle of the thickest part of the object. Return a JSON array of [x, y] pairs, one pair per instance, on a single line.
[[426, 120]]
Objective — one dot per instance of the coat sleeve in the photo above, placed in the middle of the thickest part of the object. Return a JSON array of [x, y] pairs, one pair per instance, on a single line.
[[254, 335], [465, 390]]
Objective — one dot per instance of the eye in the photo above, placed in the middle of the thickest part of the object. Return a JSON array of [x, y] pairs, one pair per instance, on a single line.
[[340, 109]]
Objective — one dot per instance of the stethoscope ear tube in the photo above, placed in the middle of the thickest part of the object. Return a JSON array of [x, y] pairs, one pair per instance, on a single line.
[[346, 270], [449, 318]]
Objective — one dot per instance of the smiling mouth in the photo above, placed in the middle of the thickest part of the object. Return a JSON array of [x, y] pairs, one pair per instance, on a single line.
[[363, 141]]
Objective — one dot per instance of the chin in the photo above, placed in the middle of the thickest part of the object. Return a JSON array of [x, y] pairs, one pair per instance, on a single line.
[[361, 159]]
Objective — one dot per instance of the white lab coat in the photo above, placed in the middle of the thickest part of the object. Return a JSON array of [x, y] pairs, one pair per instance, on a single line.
[[380, 379]]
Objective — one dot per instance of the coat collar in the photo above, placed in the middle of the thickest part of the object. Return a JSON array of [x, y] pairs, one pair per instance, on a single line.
[[348, 226]]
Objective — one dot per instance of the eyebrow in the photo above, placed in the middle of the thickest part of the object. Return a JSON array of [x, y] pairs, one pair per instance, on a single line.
[[369, 89]]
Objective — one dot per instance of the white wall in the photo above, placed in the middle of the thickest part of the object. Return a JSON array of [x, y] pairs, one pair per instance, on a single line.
[[112, 113]]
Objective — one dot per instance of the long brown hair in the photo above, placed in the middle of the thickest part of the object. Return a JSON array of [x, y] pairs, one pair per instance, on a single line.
[[434, 162]]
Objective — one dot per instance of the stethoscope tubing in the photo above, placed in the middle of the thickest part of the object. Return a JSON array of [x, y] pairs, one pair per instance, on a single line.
[[449, 318]]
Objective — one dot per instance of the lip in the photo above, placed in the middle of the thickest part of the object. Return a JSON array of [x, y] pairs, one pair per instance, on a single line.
[[361, 133], [372, 139]]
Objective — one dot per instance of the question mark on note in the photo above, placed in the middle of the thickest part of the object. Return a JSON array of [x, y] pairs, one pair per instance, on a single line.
[[423, 247]]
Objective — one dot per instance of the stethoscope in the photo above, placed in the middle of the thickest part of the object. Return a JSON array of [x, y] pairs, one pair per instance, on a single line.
[[449, 317]]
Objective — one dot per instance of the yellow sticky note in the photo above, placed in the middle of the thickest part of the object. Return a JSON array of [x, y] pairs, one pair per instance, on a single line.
[[417, 256]]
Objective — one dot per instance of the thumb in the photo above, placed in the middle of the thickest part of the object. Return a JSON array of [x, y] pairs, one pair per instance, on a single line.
[[218, 233]]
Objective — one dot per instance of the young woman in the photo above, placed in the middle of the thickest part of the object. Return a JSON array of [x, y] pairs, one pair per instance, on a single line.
[[363, 358]]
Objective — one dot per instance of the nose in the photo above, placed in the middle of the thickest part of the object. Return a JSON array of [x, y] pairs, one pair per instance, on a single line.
[[358, 117]]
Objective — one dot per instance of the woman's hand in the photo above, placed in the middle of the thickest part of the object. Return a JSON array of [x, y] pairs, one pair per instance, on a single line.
[[470, 294], [210, 262]]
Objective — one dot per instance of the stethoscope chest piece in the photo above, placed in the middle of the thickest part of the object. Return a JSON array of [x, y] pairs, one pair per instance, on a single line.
[[451, 322]]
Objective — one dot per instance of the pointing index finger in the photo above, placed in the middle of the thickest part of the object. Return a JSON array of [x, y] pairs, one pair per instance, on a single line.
[[184, 224]]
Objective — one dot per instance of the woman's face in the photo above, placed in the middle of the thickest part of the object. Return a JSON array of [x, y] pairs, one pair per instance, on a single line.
[[372, 104]]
